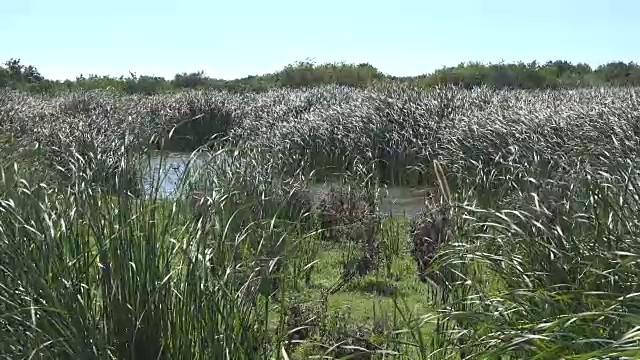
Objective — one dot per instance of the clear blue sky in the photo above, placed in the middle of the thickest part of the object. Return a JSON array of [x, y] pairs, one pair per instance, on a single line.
[[232, 39]]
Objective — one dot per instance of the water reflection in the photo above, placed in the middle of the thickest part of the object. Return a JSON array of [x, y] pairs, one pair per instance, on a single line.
[[397, 200]]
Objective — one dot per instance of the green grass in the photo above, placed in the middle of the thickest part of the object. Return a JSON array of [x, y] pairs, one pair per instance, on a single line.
[[376, 289], [365, 302]]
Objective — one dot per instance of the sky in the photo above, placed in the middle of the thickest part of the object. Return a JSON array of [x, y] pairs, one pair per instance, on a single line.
[[234, 39]]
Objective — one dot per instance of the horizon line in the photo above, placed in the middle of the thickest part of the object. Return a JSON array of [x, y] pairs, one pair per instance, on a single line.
[[593, 66]]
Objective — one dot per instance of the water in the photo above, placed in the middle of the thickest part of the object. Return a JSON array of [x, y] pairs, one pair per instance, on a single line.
[[396, 200]]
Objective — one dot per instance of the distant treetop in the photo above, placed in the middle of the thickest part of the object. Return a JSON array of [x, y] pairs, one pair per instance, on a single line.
[[553, 74]]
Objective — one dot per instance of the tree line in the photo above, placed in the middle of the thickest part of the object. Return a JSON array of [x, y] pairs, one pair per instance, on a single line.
[[534, 75]]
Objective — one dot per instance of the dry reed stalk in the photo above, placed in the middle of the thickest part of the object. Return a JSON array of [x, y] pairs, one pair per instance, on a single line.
[[202, 204]]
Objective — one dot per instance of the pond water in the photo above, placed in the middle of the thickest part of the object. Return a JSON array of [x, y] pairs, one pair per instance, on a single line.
[[396, 201]]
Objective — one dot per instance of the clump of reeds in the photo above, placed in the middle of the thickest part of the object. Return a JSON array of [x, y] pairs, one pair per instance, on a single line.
[[348, 217], [401, 127], [428, 231], [433, 226], [346, 214]]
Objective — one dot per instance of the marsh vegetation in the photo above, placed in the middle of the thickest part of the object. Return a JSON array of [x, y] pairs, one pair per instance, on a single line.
[[526, 245]]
